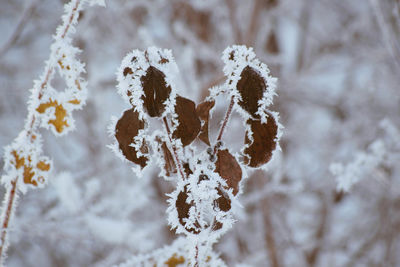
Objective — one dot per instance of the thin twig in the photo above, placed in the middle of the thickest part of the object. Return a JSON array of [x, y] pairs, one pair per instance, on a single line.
[[269, 236], [237, 35], [9, 200], [224, 123], [196, 264], [388, 36], [313, 255], [23, 21], [253, 25], [174, 150], [304, 27], [30, 127]]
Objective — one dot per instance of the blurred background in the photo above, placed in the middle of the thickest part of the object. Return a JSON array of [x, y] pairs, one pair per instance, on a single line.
[[338, 67]]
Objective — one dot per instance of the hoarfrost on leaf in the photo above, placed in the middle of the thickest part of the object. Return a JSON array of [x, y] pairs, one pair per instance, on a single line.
[[208, 180]]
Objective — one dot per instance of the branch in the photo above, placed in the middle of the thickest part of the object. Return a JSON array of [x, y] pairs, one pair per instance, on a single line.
[[26, 16], [312, 256], [10, 202], [253, 25], [224, 123], [174, 150], [20, 168], [237, 35], [269, 235]]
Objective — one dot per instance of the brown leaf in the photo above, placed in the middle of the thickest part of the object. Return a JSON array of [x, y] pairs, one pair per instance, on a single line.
[[183, 210], [203, 111], [251, 87], [223, 202], [126, 129], [216, 225], [169, 163], [229, 169], [186, 169], [189, 122], [127, 71], [260, 150], [156, 91]]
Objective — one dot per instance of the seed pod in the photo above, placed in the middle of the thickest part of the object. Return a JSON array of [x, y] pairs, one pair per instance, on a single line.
[[261, 141], [126, 129]]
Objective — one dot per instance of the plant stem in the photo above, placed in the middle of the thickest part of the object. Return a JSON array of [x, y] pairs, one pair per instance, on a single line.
[[196, 264], [269, 236], [174, 150], [30, 123], [224, 123], [9, 202]]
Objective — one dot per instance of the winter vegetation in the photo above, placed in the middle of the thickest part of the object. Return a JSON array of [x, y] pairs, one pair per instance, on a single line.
[[251, 133]]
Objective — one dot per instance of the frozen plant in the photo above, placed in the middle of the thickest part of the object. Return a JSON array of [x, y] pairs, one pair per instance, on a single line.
[[162, 126], [25, 167]]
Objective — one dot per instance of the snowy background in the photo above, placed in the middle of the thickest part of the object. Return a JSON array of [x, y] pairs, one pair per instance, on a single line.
[[338, 65]]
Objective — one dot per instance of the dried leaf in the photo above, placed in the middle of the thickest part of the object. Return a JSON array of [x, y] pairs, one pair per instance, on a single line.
[[43, 166], [74, 102], [229, 169], [127, 71], [251, 87], [216, 226], [189, 123], [60, 113], [203, 111], [174, 261], [169, 163], [156, 91], [260, 150], [28, 175], [223, 202], [186, 169], [126, 129], [183, 210], [29, 170]]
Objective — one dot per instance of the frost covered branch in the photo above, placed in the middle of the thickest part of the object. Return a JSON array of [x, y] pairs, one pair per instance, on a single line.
[[25, 166], [367, 163]]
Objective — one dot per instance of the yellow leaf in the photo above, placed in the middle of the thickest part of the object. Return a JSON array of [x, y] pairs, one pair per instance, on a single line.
[[43, 166], [175, 260], [60, 113], [74, 102]]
